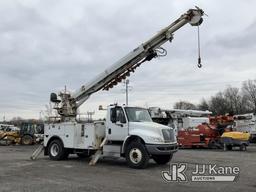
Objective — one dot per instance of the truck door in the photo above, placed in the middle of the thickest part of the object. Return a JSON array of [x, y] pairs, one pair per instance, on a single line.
[[117, 128]]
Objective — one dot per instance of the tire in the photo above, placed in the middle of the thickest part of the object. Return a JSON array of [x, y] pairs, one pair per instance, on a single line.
[[243, 147], [253, 139], [57, 151], [229, 147], [6, 142], [27, 140], [213, 144], [136, 155], [162, 159]]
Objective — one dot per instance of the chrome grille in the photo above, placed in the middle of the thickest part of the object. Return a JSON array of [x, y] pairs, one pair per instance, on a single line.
[[168, 135]]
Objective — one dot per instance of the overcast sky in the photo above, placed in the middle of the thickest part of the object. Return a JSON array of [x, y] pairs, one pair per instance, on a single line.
[[47, 44]]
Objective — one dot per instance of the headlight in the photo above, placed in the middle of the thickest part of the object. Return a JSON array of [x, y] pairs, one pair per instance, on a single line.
[[155, 139]]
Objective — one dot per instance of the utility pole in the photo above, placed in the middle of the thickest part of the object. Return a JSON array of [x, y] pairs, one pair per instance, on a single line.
[[40, 115], [127, 89]]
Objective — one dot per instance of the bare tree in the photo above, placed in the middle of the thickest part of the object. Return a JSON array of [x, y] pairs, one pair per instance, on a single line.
[[247, 105], [218, 104], [233, 100], [184, 105], [249, 91], [16, 121], [203, 105]]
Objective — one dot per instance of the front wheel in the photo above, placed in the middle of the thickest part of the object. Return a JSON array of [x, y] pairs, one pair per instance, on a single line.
[[57, 151], [162, 159], [136, 155], [27, 140]]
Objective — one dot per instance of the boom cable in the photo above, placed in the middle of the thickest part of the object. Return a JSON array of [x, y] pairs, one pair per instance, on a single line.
[[198, 46]]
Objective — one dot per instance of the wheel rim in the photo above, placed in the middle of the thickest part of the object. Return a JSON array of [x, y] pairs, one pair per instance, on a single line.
[[26, 141], [135, 155], [55, 149]]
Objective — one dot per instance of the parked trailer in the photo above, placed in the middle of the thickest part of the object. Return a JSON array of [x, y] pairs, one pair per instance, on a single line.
[[235, 139]]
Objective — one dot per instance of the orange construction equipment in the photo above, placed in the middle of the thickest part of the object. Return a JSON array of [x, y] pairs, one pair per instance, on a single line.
[[206, 135], [217, 134]]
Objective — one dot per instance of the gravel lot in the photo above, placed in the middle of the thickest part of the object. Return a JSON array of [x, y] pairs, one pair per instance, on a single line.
[[18, 173]]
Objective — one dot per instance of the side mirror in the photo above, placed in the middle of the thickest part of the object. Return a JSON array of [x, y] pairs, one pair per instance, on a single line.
[[101, 108], [54, 98], [113, 115]]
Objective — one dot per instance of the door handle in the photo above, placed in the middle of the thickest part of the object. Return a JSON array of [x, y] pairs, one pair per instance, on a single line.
[[109, 131]]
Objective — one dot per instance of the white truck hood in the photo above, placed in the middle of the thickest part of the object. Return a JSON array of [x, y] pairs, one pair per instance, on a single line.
[[150, 129]]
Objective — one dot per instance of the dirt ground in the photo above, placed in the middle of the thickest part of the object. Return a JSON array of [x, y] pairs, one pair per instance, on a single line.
[[19, 173]]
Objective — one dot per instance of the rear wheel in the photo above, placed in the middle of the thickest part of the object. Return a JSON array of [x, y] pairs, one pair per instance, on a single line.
[[162, 159], [229, 147], [137, 155], [27, 140], [57, 151], [212, 144], [243, 147], [253, 139]]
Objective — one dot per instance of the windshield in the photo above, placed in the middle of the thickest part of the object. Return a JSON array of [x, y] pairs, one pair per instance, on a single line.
[[136, 114]]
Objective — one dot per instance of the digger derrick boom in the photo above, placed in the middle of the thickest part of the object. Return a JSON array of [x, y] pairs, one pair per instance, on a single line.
[[68, 103]]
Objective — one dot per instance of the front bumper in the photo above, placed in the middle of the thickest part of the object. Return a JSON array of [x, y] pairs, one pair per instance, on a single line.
[[161, 149]]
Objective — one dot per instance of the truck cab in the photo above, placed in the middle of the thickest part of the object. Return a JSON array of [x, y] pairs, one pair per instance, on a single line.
[[139, 137]]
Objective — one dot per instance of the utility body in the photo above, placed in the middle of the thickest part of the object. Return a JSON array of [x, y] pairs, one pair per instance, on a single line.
[[246, 123], [128, 131]]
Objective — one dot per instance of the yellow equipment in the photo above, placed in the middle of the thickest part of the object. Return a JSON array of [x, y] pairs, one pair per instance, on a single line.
[[237, 135], [29, 133], [11, 137], [235, 139]]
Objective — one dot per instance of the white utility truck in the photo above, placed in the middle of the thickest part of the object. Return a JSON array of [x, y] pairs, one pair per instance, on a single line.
[[246, 123], [179, 119], [128, 131]]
